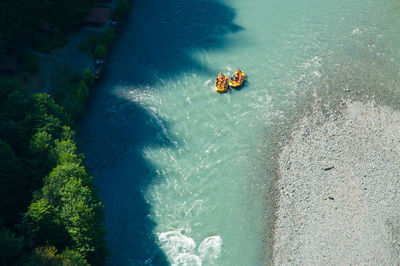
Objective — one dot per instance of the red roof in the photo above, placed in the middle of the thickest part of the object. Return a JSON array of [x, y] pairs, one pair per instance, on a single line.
[[98, 15]]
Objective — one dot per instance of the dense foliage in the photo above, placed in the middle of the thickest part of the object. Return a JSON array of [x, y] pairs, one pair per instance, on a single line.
[[20, 18], [99, 45], [49, 213]]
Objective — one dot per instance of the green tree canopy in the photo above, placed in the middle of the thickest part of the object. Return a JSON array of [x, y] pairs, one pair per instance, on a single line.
[[10, 247], [12, 185]]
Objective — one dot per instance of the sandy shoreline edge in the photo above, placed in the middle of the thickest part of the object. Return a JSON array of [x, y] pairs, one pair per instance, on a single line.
[[337, 189]]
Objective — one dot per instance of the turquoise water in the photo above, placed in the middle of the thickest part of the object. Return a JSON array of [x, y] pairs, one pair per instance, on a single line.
[[185, 173]]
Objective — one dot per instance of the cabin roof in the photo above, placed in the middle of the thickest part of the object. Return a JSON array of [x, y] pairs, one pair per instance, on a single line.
[[98, 15]]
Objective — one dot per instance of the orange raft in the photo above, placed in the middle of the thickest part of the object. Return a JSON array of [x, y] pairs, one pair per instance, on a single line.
[[221, 85]]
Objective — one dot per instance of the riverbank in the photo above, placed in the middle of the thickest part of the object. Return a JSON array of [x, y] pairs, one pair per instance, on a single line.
[[338, 186]]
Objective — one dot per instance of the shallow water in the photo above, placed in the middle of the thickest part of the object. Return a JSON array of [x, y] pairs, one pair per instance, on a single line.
[[182, 170]]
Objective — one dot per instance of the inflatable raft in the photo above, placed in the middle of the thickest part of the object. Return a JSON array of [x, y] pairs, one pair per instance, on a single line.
[[220, 85], [237, 82]]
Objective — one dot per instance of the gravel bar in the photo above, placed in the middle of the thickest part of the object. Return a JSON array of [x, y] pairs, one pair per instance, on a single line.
[[338, 185]]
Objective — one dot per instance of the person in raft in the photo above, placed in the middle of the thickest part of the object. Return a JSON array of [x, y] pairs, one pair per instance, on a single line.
[[237, 77], [223, 82], [219, 79]]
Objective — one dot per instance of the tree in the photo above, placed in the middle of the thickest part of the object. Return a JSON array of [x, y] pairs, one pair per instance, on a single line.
[[72, 258], [10, 247], [48, 256], [45, 105], [59, 177], [40, 159], [16, 105], [65, 152], [68, 201], [82, 215], [45, 256], [44, 226], [18, 19], [47, 115], [7, 86], [121, 10], [41, 143], [13, 189], [41, 171], [108, 37], [15, 134]]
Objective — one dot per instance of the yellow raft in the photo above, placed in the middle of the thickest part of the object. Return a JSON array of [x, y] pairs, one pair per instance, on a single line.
[[237, 83], [218, 86]]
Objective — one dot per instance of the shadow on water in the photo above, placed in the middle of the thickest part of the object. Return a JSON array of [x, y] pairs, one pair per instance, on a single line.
[[160, 35], [154, 43]]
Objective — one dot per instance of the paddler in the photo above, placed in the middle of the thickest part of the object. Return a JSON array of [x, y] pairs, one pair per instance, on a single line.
[[220, 78], [223, 83], [237, 75]]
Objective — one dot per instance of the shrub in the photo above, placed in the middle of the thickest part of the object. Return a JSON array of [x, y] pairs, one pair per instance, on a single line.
[[121, 10], [101, 51], [82, 92], [108, 37], [88, 77], [90, 44]]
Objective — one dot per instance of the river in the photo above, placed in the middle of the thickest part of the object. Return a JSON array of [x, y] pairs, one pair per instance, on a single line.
[[187, 174]]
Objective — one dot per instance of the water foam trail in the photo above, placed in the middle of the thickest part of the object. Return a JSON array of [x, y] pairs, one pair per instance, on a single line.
[[187, 260], [210, 249], [182, 249]]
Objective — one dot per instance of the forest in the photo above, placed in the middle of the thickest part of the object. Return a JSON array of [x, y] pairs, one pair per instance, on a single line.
[[19, 20], [50, 213]]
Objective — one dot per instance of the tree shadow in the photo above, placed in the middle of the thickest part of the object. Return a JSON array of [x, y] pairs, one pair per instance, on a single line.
[[159, 36], [113, 135], [155, 42]]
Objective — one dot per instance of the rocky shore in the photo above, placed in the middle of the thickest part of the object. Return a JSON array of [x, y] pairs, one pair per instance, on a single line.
[[339, 178]]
